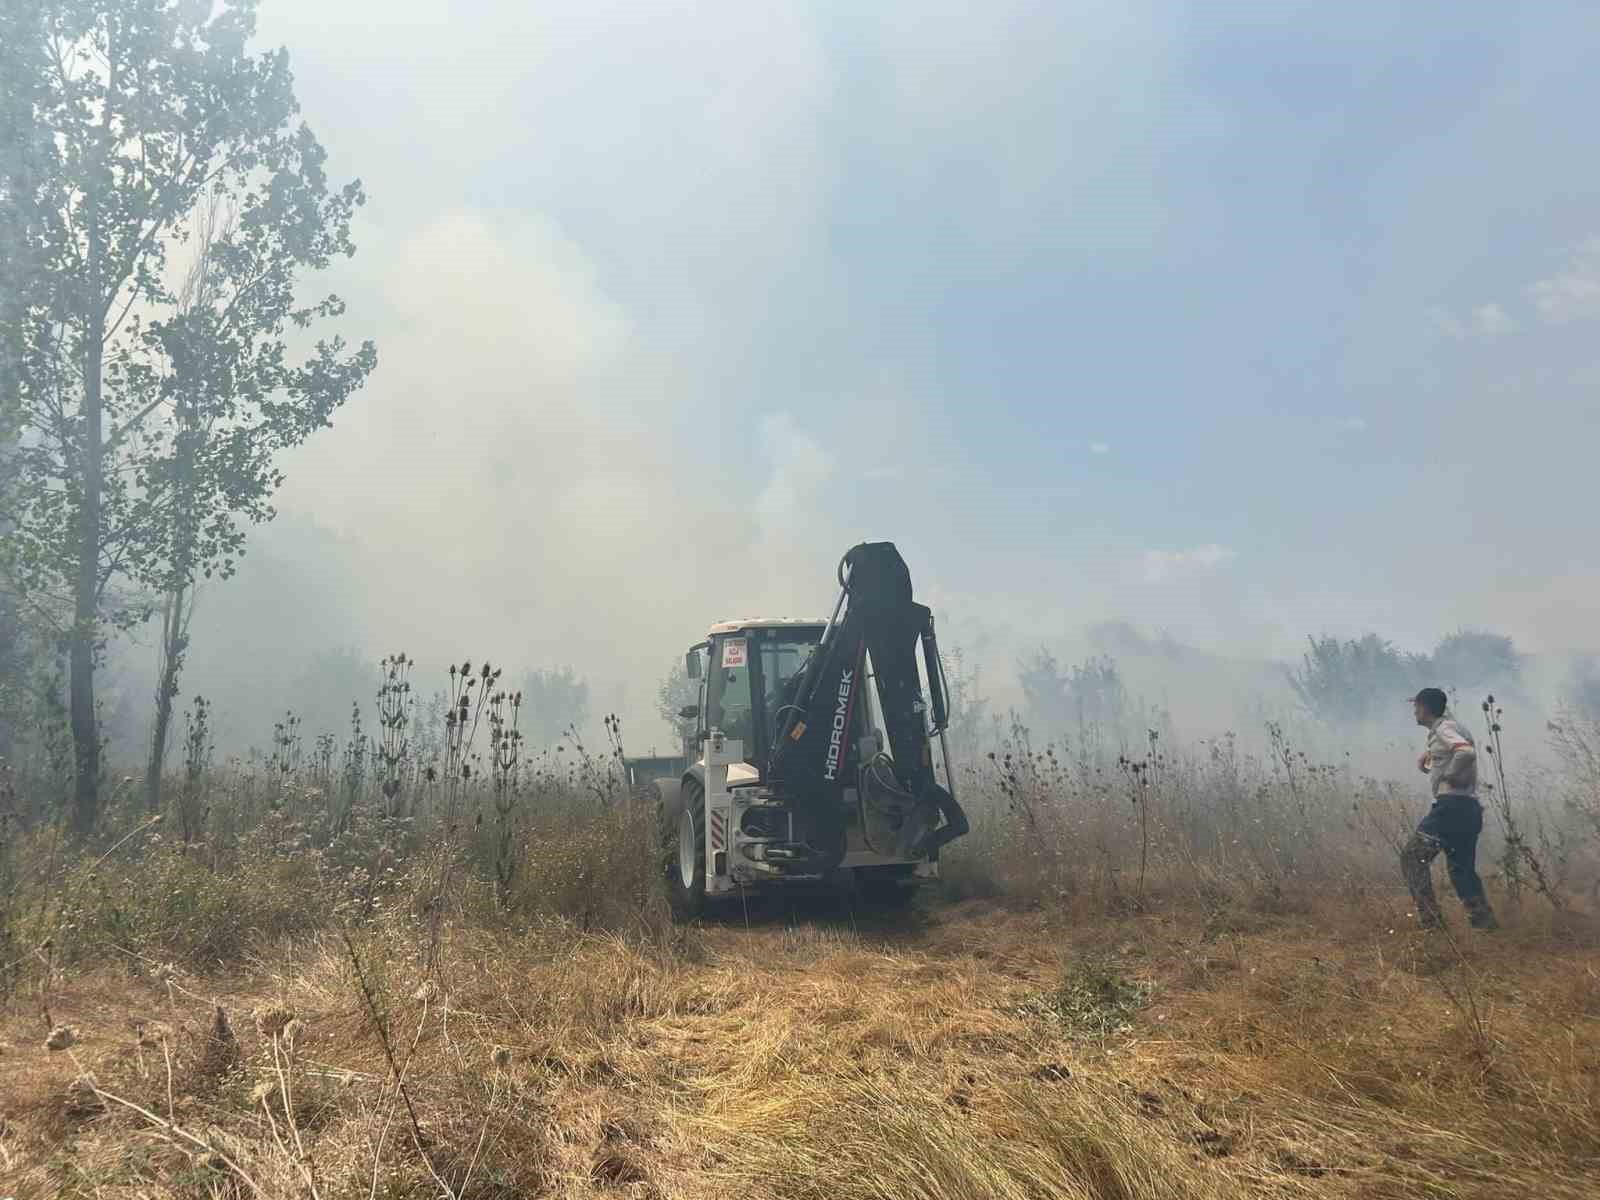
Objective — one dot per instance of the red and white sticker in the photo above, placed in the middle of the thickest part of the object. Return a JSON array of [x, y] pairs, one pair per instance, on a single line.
[[733, 652]]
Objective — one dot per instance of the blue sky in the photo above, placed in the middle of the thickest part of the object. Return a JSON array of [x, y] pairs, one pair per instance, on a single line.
[[1242, 321]]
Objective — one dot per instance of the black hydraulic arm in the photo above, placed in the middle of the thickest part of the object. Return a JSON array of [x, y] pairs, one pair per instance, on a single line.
[[812, 753]]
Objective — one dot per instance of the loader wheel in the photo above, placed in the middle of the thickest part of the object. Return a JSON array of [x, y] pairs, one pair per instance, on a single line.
[[683, 852]]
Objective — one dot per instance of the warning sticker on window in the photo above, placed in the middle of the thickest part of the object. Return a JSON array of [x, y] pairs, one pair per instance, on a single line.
[[733, 652]]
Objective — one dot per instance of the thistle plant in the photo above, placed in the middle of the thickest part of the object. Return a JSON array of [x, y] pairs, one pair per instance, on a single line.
[[1140, 774], [197, 752], [1517, 851], [505, 746], [327, 748], [285, 759], [602, 783], [470, 695], [394, 723], [352, 772], [613, 724]]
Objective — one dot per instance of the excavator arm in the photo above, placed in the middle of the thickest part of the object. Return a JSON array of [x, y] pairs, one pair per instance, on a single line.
[[873, 634]]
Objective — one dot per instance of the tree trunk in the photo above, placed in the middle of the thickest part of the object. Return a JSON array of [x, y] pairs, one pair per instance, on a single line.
[[86, 592], [174, 640], [175, 625], [91, 467]]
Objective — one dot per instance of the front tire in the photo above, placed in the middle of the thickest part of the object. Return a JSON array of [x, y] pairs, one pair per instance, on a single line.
[[683, 852]]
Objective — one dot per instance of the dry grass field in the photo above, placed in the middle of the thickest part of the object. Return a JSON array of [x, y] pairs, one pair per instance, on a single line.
[[956, 1050], [1193, 973]]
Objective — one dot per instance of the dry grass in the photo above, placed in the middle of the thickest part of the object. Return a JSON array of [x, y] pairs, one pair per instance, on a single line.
[[1190, 974], [953, 1053]]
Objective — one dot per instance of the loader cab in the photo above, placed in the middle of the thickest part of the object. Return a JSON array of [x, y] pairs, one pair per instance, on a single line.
[[748, 671]]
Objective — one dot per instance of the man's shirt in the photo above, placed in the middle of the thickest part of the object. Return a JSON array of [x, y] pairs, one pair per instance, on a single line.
[[1451, 751]]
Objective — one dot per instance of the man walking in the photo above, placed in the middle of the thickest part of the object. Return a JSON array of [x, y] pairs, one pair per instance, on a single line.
[[1455, 819]]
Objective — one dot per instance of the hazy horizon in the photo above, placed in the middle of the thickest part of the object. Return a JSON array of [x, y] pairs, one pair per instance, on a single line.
[[1239, 326]]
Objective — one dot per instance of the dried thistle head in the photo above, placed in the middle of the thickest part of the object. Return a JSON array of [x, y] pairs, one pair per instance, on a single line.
[[271, 1019], [62, 1037], [501, 1057], [293, 1032], [427, 992], [166, 972], [83, 1095], [261, 1093], [154, 1035], [221, 1030]]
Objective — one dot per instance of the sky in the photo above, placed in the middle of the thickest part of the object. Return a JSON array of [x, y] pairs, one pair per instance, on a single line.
[[1234, 322]]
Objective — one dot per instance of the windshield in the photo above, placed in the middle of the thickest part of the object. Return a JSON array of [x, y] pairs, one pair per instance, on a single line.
[[753, 676], [782, 661]]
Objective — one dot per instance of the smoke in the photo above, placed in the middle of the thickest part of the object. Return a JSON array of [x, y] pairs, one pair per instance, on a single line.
[[674, 303]]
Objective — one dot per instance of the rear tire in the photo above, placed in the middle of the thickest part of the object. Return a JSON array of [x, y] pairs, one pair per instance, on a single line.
[[683, 851]]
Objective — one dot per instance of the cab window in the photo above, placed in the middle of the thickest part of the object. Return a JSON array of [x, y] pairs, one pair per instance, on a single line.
[[728, 691], [782, 661]]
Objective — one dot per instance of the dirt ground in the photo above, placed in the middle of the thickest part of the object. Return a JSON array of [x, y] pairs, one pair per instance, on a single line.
[[947, 1051]]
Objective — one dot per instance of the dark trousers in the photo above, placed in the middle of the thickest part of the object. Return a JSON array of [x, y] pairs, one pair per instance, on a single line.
[[955, 822], [1451, 825]]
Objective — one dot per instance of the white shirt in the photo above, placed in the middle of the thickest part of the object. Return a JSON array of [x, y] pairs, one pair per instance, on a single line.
[[1451, 751]]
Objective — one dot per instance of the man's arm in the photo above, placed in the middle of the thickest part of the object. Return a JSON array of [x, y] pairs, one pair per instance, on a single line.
[[1462, 755]]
